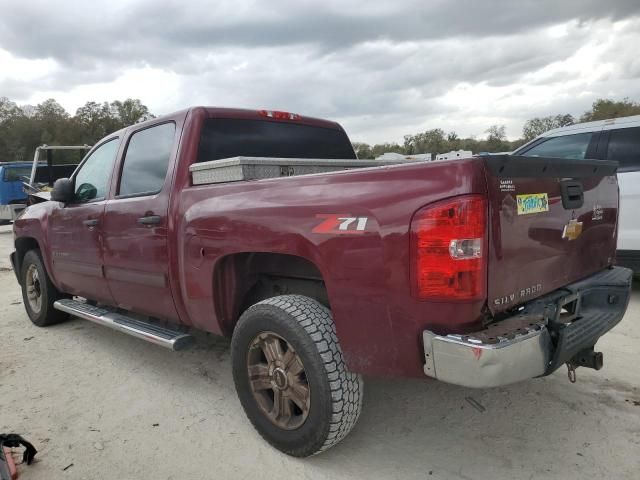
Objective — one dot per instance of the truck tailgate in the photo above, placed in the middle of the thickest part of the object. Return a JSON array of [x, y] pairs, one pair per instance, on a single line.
[[551, 222]]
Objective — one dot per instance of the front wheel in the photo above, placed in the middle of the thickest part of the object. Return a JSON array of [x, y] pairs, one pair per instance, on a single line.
[[290, 375], [38, 293]]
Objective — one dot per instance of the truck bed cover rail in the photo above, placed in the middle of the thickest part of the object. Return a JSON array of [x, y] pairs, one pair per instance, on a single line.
[[255, 168], [521, 166]]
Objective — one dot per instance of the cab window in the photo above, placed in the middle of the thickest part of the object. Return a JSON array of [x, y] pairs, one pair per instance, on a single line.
[[92, 179], [624, 147], [568, 146], [15, 174], [146, 160]]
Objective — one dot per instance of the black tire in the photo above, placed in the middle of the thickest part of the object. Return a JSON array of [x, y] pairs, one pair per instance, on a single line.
[[335, 394], [46, 315]]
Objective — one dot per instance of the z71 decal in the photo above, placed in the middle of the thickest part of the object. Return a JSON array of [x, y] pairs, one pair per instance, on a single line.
[[341, 223]]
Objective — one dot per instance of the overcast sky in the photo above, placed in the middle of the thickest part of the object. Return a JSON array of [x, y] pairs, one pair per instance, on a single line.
[[381, 68]]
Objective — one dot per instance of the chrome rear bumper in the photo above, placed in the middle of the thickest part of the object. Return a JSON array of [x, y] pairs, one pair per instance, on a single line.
[[542, 336], [466, 361]]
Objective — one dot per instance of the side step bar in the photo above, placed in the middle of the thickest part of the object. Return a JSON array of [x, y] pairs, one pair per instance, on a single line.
[[165, 337]]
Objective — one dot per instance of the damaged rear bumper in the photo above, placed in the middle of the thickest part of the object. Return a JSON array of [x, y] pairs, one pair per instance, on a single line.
[[547, 333]]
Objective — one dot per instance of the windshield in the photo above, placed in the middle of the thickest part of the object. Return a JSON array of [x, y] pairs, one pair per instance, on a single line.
[[226, 138], [14, 174]]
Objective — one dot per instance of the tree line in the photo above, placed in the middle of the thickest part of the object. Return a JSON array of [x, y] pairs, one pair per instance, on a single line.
[[438, 141], [23, 128]]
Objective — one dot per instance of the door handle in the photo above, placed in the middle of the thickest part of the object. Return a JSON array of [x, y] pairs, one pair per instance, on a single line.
[[149, 220], [92, 222]]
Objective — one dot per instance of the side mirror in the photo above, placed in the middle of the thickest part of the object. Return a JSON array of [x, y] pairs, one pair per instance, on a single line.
[[86, 192], [62, 190]]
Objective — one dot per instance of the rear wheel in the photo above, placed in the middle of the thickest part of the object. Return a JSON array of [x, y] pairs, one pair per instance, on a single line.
[[38, 293], [290, 375]]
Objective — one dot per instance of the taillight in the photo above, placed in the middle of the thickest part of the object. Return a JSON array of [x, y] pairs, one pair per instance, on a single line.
[[448, 249], [279, 115]]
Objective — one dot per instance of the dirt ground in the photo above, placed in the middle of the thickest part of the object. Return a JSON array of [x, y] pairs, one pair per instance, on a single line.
[[99, 404]]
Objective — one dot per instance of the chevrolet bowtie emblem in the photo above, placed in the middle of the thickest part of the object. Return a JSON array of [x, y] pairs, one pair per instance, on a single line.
[[572, 230]]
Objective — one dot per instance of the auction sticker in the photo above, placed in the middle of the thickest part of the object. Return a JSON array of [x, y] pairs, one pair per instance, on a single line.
[[532, 203]]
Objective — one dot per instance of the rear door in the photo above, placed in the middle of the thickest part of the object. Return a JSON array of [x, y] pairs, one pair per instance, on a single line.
[[136, 224], [552, 220]]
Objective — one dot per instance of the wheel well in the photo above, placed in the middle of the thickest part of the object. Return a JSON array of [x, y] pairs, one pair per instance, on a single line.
[[242, 279], [23, 245]]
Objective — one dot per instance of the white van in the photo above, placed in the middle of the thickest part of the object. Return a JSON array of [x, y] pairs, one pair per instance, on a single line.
[[615, 139]]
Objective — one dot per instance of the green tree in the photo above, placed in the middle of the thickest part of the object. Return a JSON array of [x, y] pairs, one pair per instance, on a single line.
[[603, 109], [363, 150], [131, 111], [453, 141], [22, 129], [95, 121], [496, 138], [380, 148], [538, 125], [8, 109], [431, 141]]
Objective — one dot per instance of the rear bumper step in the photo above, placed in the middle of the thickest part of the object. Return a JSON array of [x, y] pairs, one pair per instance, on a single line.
[[537, 340], [165, 337]]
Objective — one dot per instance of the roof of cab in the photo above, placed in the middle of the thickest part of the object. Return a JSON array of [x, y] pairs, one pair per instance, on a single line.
[[241, 113]]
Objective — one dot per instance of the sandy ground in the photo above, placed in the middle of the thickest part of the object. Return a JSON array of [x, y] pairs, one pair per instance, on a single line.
[[99, 404]]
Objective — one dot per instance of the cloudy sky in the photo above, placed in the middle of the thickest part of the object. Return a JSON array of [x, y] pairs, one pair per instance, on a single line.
[[381, 68]]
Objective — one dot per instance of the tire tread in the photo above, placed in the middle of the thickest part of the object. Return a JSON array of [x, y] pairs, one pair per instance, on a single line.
[[346, 387]]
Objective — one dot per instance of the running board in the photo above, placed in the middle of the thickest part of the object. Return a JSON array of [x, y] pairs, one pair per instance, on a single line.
[[165, 337]]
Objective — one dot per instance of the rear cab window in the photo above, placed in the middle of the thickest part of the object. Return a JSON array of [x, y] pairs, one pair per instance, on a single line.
[[225, 138]]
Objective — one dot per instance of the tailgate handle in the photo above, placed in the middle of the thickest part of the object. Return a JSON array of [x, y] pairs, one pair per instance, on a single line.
[[572, 194]]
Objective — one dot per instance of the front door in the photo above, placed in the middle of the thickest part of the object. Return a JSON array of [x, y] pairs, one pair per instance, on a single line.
[[75, 229], [135, 225]]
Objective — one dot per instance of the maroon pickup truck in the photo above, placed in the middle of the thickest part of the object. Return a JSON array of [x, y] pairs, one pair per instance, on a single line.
[[478, 272]]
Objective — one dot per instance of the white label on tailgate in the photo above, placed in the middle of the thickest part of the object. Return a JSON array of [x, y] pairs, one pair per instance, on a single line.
[[507, 186]]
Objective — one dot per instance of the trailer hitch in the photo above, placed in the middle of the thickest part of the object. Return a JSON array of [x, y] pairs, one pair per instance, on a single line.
[[585, 358]]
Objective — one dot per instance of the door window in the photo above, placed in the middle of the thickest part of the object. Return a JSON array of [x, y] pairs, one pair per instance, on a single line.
[[15, 174], [569, 146], [624, 147], [146, 160], [92, 179]]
